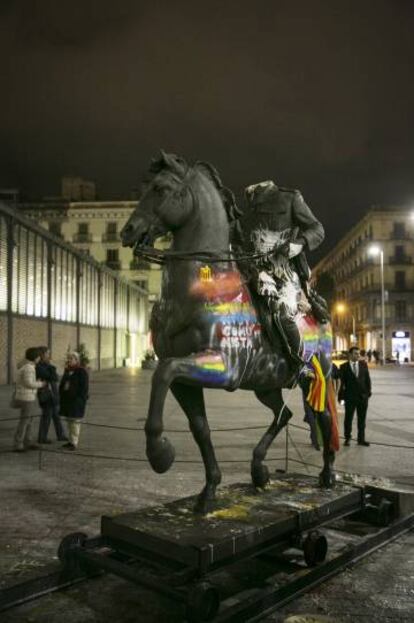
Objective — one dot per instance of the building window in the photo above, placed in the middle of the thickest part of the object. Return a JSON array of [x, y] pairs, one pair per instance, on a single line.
[[112, 259], [400, 279], [398, 230], [112, 255], [83, 234], [55, 229], [399, 253], [401, 310], [111, 234], [142, 284]]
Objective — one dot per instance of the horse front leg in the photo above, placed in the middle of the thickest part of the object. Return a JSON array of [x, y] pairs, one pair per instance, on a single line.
[[273, 400], [191, 400], [160, 451], [327, 475], [202, 368]]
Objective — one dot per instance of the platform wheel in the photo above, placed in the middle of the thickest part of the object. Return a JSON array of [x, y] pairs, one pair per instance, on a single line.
[[386, 512], [203, 602], [67, 547], [315, 548]]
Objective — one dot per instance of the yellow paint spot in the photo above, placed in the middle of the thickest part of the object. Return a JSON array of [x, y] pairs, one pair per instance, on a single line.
[[205, 273], [239, 511]]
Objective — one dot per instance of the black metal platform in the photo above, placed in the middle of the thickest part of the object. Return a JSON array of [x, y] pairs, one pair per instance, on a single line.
[[256, 551], [244, 520]]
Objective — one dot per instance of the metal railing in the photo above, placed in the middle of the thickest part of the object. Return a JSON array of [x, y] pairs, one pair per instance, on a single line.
[[400, 259], [111, 236], [82, 237], [113, 264], [138, 264]]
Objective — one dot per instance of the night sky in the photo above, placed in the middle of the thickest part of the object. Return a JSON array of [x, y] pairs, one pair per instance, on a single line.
[[316, 95]]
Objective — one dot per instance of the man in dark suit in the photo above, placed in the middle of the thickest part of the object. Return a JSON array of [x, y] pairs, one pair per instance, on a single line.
[[355, 390]]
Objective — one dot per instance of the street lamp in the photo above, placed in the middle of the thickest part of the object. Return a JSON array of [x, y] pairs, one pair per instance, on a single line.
[[341, 308], [374, 251]]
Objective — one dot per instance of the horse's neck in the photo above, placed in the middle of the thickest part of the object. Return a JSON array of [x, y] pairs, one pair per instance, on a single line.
[[207, 230]]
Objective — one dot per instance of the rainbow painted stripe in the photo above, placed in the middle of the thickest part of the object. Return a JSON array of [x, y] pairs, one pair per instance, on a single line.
[[210, 369], [315, 336]]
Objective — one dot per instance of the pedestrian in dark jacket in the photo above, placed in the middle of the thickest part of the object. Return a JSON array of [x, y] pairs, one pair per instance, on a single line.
[[73, 392], [48, 398], [355, 390]]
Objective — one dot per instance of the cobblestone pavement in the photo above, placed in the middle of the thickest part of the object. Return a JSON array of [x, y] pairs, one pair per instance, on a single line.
[[109, 474]]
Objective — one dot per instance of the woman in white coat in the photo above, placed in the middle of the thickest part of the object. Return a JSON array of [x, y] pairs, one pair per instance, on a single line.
[[25, 397]]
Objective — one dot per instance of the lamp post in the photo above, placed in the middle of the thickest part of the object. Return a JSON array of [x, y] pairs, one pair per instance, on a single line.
[[374, 251], [340, 309]]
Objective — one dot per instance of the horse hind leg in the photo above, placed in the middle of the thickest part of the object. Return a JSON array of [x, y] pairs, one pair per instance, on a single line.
[[327, 475], [191, 400], [274, 400]]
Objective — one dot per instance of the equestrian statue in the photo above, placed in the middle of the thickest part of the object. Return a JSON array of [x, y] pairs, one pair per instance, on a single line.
[[235, 311]]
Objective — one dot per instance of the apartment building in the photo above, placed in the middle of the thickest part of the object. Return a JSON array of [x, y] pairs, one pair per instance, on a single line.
[[353, 267]]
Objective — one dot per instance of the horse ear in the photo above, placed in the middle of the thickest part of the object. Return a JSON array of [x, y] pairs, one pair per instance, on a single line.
[[173, 163], [163, 156]]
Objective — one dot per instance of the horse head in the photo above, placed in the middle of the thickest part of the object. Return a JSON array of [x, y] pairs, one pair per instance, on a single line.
[[166, 202]]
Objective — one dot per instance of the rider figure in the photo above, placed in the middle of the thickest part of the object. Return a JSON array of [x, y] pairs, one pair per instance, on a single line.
[[277, 219]]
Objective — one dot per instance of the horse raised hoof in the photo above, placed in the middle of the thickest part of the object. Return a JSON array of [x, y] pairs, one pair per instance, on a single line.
[[260, 475], [161, 454], [327, 479]]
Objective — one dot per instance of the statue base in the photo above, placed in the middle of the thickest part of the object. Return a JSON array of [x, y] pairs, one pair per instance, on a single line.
[[256, 550]]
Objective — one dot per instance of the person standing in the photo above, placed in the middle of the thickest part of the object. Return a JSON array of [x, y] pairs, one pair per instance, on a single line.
[[48, 398], [73, 392], [355, 390], [25, 398]]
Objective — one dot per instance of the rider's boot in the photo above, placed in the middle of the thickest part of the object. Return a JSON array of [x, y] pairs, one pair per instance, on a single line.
[[290, 335], [318, 304]]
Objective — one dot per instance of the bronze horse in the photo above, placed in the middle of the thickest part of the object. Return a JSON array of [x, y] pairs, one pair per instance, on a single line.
[[206, 330]]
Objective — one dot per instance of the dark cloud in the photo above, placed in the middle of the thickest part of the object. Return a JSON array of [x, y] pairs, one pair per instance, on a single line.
[[316, 95], [69, 23]]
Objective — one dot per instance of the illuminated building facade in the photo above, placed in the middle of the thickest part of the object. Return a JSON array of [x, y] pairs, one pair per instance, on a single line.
[[51, 293], [356, 282], [93, 227]]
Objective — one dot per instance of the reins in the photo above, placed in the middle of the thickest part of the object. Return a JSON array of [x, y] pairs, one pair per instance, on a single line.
[[157, 256]]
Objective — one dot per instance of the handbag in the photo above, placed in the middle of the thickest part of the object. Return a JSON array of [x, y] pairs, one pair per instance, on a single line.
[[15, 403]]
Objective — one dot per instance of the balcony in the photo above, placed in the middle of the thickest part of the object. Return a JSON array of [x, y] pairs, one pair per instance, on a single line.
[[137, 264], [394, 235], [110, 236], [400, 259], [113, 264], [82, 237]]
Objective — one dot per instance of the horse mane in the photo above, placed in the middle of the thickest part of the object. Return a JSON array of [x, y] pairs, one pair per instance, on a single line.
[[227, 195]]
